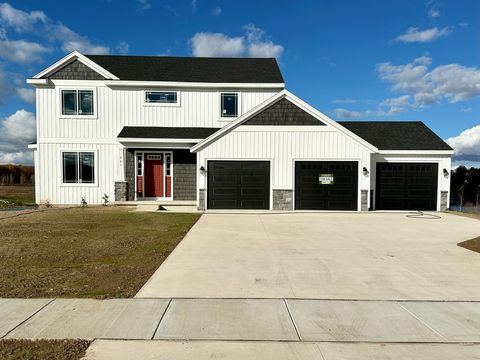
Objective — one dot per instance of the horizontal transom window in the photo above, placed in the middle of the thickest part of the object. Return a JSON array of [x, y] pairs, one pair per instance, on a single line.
[[78, 103], [78, 167], [161, 97]]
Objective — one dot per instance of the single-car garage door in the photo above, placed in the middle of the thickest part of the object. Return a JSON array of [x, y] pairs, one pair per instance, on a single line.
[[238, 185], [406, 186], [325, 185]]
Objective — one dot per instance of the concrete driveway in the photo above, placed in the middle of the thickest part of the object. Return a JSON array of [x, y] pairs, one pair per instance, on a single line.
[[370, 256]]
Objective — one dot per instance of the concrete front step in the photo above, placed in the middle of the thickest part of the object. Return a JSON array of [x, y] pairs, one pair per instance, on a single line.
[[271, 350]]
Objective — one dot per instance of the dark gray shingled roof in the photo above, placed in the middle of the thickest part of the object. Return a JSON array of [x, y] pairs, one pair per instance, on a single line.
[[158, 132], [191, 69], [397, 135]]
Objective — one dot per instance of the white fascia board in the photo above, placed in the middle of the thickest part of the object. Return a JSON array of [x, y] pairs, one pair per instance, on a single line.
[[38, 81], [32, 146], [158, 140], [295, 100], [416, 152], [179, 84], [75, 55]]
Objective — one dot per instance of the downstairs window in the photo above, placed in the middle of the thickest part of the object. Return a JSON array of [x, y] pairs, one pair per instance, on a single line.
[[78, 167]]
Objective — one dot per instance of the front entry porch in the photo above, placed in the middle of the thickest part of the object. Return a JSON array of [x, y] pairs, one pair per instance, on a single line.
[[158, 175]]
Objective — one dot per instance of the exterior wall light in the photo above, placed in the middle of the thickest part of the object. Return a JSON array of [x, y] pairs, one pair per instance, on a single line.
[[365, 171], [445, 172], [202, 170]]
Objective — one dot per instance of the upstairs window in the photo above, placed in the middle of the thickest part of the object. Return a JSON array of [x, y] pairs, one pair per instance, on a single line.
[[161, 97], [78, 167], [78, 103], [229, 104]]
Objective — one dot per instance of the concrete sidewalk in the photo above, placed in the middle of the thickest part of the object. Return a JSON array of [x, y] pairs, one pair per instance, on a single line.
[[242, 319], [259, 350]]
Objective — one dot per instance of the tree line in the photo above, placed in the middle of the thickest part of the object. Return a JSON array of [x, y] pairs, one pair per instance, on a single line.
[[465, 186], [16, 175]]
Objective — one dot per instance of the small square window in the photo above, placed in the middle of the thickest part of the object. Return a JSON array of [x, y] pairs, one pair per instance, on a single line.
[[229, 104]]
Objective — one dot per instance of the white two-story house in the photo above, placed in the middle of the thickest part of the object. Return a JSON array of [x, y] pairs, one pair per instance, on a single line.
[[221, 133]]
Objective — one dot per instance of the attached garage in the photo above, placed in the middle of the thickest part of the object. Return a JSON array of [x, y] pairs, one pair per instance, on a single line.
[[238, 185], [407, 186], [325, 185]]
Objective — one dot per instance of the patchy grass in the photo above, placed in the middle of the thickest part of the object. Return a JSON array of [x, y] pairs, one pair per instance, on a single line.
[[17, 195], [91, 252], [43, 349], [472, 244]]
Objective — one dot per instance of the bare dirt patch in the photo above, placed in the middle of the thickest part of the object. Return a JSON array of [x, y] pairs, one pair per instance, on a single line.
[[43, 349], [92, 252], [472, 244]]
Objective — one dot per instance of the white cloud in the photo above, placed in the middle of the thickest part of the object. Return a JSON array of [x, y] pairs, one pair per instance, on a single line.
[[340, 113], [414, 34], [71, 41], [27, 95], [252, 44], [466, 110], [344, 101], [451, 82], [6, 85], [38, 23], [265, 50], [467, 144], [217, 44], [16, 132], [22, 51], [20, 20], [216, 11], [122, 48], [144, 5], [432, 9]]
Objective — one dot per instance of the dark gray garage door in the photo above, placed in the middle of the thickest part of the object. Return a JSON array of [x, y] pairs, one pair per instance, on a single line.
[[322, 185], [238, 185], [404, 186]]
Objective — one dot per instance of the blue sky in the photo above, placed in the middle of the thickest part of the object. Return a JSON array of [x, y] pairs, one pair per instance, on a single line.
[[377, 60]]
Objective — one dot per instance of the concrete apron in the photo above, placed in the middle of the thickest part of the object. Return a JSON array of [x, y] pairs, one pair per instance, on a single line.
[[284, 320]]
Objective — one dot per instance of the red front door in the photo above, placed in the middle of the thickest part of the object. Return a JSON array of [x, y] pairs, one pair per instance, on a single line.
[[154, 175]]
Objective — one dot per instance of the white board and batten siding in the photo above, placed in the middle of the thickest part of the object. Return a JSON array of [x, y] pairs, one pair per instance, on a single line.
[[115, 108], [282, 146]]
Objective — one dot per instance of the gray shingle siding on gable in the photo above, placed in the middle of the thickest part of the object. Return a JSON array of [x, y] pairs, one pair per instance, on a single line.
[[76, 70], [284, 112]]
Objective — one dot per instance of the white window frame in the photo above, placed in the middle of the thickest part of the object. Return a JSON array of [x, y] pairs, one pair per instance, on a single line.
[[95, 167], [75, 88], [145, 103], [239, 105]]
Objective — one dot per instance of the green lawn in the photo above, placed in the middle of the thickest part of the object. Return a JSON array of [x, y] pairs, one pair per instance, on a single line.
[[91, 252], [43, 349], [17, 194]]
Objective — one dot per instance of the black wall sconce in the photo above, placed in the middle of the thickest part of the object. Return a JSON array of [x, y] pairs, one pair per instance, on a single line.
[[365, 171], [445, 172], [202, 170]]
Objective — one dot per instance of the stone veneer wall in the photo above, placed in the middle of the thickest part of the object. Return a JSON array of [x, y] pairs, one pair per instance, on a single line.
[[283, 200], [184, 175], [121, 191], [443, 200], [364, 200], [130, 173], [201, 199]]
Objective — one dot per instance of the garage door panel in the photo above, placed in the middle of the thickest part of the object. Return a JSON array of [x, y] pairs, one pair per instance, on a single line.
[[404, 186], [238, 185], [310, 194]]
